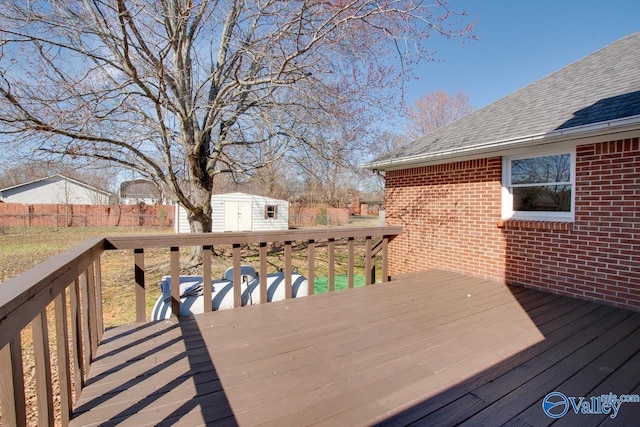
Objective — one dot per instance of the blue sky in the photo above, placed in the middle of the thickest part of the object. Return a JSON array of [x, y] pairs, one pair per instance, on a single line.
[[521, 42]]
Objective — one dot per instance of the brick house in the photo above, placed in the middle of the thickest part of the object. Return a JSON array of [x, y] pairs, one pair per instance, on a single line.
[[541, 188]]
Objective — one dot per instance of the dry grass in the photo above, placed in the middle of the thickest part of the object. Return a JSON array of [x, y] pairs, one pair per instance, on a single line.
[[22, 249]]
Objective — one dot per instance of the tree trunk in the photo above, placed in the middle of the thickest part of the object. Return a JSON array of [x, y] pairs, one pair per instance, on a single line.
[[200, 221]]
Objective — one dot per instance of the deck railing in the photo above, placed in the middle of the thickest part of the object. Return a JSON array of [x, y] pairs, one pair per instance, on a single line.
[[78, 321]]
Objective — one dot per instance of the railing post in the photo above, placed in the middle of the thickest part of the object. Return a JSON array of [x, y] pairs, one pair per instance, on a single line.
[[138, 259], [263, 273], [311, 261], [207, 250], [385, 254], [332, 264], [237, 275], [12, 384], [175, 281], [368, 262], [351, 259], [288, 286]]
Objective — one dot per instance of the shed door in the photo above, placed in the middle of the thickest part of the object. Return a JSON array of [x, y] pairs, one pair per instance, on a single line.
[[237, 216]]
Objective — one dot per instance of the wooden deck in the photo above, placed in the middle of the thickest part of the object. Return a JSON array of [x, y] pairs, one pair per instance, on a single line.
[[432, 348]]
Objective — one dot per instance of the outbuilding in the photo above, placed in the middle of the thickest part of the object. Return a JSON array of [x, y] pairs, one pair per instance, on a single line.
[[56, 189], [241, 212]]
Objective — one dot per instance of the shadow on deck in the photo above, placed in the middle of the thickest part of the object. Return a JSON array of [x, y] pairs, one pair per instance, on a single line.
[[432, 348]]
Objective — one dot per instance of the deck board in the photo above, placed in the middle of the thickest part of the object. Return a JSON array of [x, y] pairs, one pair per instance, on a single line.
[[429, 348]]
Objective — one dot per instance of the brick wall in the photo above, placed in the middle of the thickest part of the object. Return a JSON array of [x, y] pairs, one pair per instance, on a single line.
[[451, 219], [448, 214]]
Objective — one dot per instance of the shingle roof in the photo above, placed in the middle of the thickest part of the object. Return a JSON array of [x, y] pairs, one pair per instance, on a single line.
[[601, 87]]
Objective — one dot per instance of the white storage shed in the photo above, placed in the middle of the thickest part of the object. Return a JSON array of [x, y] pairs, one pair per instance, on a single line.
[[241, 212]]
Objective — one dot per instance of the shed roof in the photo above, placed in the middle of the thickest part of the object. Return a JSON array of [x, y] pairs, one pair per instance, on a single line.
[[597, 94], [238, 195]]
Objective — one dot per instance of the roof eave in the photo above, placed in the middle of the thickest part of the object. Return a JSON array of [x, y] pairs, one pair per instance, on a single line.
[[610, 127]]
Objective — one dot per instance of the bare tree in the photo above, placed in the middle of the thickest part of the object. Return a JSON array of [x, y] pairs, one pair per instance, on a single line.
[[180, 89], [435, 110]]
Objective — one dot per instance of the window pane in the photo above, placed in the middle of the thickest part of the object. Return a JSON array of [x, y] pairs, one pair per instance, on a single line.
[[271, 211], [541, 170], [550, 198]]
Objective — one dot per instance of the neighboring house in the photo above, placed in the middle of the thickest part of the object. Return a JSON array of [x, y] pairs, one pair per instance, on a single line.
[[57, 189], [541, 188], [241, 212], [140, 191]]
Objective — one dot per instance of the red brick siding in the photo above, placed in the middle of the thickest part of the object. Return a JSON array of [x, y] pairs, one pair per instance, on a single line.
[[449, 214], [451, 219]]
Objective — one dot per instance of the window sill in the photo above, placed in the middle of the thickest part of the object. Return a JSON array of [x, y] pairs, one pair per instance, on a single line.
[[535, 225]]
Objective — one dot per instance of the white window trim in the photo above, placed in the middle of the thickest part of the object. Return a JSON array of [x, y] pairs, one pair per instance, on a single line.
[[507, 197], [275, 212]]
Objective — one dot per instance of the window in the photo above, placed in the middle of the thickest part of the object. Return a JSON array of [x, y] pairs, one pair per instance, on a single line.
[[539, 187], [271, 211]]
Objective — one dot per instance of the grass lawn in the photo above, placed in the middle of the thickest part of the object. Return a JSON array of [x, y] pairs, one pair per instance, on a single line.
[[321, 284]]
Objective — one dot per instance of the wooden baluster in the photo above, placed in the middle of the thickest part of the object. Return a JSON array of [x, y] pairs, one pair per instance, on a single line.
[[93, 322], [175, 281], [263, 273], [288, 286], [237, 275], [76, 338], [138, 259], [332, 264], [350, 262], [44, 389], [206, 277], [62, 348], [311, 260], [12, 384], [99, 312], [86, 330]]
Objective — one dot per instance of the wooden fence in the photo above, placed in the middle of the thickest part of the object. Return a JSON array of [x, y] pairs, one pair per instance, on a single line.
[[305, 216], [61, 215]]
